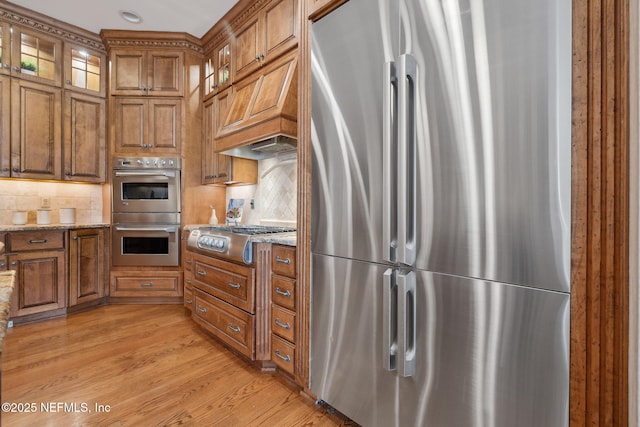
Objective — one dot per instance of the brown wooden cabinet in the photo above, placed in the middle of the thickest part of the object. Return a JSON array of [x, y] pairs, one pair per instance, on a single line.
[[145, 284], [283, 307], [38, 257], [265, 36], [5, 48], [187, 265], [84, 138], [147, 72], [143, 125], [36, 137], [218, 69], [36, 56], [87, 265], [85, 70], [316, 9], [5, 126], [219, 168]]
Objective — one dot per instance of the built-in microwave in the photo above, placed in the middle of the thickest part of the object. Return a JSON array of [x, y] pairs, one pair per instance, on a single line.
[[145, 184]]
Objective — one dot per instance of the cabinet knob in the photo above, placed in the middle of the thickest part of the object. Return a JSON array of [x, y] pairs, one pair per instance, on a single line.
[[14, 263], [143, 88], [5, 66], [257, 57], [144, 145], [5, 169], [262, 56], [75, 237], [68, 82], [67, 173], [16, 68], [15, 170]]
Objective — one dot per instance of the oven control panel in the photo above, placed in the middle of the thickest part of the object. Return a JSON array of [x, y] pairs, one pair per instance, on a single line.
[[208, 242]]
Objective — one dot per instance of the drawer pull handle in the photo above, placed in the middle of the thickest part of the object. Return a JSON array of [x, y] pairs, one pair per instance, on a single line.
[[286, 326], [31, 242], [187, 280], [189, 261], [188, 301], [234, 285], [147, 284], [202, 273], [202, 309], [283, 261], [283, 293], [285, 358], [234, 329]]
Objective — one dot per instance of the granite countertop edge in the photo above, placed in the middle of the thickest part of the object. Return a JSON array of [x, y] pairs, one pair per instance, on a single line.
[[7, 284], [39, 227]]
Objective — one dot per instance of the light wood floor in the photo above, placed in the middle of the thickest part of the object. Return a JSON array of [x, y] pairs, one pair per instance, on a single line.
[[146, 366]]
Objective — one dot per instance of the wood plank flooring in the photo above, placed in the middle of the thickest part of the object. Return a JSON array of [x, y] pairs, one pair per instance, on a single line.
[[140, 365]]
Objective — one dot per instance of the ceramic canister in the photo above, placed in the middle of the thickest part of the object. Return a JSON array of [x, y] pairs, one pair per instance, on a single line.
[[20, 217], [67, 215], [44, 217]]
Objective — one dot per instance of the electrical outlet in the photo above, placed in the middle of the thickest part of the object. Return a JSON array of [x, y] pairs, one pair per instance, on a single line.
[[45, 202]]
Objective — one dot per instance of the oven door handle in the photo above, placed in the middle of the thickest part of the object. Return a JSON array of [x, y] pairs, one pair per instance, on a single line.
[[145, 173], [165, 229]]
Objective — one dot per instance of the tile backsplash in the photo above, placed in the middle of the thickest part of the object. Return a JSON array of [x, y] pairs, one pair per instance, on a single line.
[[275, 195], [27, 196]]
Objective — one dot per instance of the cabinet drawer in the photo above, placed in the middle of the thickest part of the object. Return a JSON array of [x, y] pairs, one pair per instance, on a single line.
[[132, 285], [231, 325], [283, 323], [35, 240], [188, 260], [283, 260], [188, 299], [283, 292], [283, 353], [229, 282]]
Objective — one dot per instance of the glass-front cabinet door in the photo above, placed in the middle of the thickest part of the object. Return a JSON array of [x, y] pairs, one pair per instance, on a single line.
[[5, 48], [85, 70], [217, 69], [36, 56]]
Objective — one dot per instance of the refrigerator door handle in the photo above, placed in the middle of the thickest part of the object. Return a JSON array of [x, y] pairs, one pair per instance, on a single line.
[[389, 156], [407, 160], [407, 323], [389, 322]]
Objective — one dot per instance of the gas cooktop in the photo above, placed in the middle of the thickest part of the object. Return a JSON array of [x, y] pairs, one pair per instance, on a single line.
[[250, 230], [232, 242]]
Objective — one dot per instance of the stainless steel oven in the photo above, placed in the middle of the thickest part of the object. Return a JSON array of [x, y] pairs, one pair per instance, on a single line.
[[145, 212], [145, 184], [153, 240]]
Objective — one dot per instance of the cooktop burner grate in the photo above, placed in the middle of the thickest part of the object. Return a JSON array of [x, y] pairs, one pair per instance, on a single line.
[[249, 230]]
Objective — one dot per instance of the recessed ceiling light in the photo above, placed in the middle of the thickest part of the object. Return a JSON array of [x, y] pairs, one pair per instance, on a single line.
[[130, 16]]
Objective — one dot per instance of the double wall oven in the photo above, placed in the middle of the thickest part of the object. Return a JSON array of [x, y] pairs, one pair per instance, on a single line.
[[145, 211]]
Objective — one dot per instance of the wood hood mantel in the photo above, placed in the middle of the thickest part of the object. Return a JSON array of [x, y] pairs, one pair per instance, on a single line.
[[262, 106]]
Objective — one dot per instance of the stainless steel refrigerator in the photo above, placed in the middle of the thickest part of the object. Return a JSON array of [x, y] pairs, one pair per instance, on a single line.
[[441, 214]]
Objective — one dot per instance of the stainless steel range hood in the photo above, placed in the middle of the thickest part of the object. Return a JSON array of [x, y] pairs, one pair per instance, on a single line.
[[271, 147]]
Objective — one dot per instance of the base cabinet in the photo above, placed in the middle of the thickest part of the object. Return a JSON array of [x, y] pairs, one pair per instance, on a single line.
[[283, 308], [38, 258], [87, 265], [147, 285]]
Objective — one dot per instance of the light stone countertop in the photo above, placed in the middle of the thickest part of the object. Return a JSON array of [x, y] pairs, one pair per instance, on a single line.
[[38, 227], [7, 283]]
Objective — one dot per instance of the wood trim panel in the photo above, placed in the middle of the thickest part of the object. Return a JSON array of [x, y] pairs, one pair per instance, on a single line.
[[599, 300], [303, 242]]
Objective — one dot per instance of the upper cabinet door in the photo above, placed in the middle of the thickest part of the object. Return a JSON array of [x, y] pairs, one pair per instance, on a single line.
[[36, 57], [84, 138], [128, 72], [5, 126], [36, 141], [165, 73], [248, 47], [85, 70], [5, 48], [266, 36], [280, 28], [155, 73]]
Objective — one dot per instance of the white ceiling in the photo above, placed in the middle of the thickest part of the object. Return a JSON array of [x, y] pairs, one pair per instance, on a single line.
[[195, 17]]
